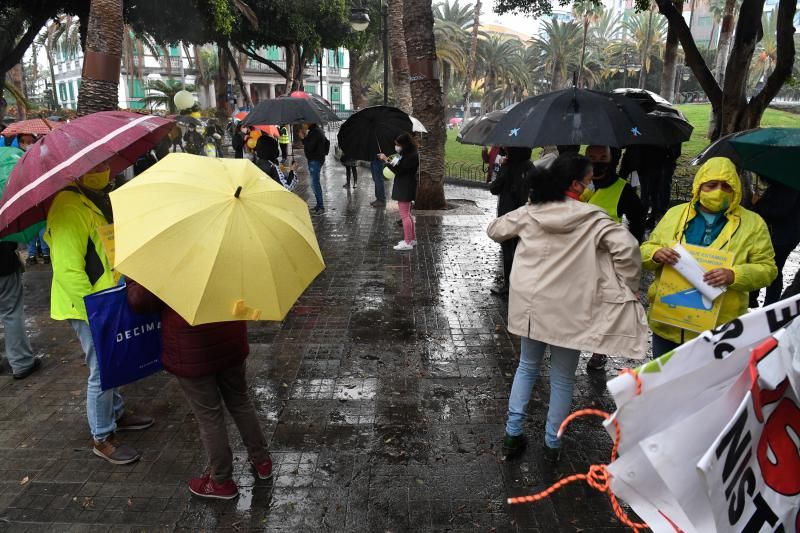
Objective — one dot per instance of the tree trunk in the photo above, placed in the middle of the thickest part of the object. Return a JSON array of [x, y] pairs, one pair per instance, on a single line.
[[53, 94], [646, 51], [583, 50], [473, 58], [397, 50], [101, 62], [221, 82], [16, 78], [356, 83], [670, 61], [291, 62], [237, 73], [426, 93]]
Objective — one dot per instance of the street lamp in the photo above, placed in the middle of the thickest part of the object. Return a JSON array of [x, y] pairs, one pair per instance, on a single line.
[[359, 21]]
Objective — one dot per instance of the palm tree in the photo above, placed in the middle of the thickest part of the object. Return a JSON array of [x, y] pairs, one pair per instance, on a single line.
[[205, 63], [556, 51], [766, 51], [399, 56], [60, 35], [451, 50], [496, 64], [165, 91], [133, 53], [460, 15], [101, 65], [647, 32], [589, 12], [426, 93]]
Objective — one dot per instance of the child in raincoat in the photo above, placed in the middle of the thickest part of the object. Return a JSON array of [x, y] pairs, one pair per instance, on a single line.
[[714, 218]]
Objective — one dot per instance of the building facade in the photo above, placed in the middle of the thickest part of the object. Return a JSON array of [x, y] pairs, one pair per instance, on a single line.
[[330, 77]]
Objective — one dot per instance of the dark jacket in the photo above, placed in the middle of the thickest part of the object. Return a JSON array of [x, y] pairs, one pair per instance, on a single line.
[[511, 185], [405, 177], [192, 351], [629, 205], [9, 260], [314, 144], [780, 208], [237, 143]]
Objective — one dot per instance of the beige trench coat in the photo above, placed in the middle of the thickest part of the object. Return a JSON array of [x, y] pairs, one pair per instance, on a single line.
[[575, 278]]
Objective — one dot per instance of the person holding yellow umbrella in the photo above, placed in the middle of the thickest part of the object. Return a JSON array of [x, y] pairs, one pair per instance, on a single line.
[[243, 248]]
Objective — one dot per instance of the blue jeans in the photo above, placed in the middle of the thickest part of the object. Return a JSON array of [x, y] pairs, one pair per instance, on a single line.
[[377, 176], [43, 245], [662, 346], [563, 362], [314, 168], [18, 348], [103, 408]]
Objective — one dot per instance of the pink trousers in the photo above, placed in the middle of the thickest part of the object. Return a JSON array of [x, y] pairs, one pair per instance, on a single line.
[[409, 234]]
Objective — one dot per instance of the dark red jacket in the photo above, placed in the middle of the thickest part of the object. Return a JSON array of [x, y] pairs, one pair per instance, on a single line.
[[192, 351]]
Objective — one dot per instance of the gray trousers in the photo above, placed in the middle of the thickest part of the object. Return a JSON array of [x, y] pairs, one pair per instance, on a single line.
[[18, 348]]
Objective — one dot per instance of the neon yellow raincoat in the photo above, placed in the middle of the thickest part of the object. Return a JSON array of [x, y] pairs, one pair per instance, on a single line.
[[745, 234], [80, 265]]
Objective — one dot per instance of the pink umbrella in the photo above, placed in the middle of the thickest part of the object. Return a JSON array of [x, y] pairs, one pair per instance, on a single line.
[[300, 94], [455, 120], [70, 151]]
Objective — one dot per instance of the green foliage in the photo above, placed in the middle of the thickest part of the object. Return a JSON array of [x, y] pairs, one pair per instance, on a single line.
[[162, 93]]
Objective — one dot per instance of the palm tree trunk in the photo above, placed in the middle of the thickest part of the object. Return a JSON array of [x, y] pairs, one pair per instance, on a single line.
[[53, 94], [725, 34], [473, 58], [397, 49], [583, 49], [101, 62], [426, 94], [356, 83], [646, 51], [670, 61]]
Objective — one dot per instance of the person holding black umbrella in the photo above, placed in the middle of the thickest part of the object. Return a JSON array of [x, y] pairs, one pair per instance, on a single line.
[[315, 146], [404, 166]]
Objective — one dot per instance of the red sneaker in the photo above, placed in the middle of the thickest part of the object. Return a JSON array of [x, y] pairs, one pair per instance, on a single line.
[[264, 468], [205, 487]]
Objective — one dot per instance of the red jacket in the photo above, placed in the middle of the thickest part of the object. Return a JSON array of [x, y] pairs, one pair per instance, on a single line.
[[192, 351]]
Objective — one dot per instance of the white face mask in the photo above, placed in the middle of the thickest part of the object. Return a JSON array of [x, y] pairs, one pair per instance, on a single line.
[[398, 148]]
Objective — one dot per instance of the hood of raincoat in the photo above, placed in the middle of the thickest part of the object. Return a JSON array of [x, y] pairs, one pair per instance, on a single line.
[[722, 169], [564, 217]]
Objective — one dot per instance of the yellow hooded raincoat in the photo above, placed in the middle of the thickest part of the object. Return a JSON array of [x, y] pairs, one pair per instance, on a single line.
[[745, 234]]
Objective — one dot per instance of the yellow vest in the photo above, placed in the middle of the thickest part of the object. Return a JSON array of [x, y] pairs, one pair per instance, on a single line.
[[607, 198], [284, 138]]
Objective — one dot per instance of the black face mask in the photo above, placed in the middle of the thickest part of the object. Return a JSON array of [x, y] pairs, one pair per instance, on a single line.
[[600, 169]]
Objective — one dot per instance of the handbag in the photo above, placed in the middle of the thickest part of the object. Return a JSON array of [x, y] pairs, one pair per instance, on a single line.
[[128, 344]]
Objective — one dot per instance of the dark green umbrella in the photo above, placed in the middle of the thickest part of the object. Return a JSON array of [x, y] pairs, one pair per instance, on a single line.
[[8, 158], [773, 153]]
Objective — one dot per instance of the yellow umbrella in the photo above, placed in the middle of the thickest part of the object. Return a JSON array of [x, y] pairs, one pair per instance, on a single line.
[[215, 239]]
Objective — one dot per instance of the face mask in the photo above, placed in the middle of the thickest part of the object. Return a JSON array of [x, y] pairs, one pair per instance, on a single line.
[[96, 180], [398, 149], [599, 169], [716, 201], [588, 191]]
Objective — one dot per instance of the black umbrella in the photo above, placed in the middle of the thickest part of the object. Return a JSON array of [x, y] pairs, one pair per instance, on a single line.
[[322, 106], [573, 117], [283, 111], [371, 131], [674, 126], [476, 130]]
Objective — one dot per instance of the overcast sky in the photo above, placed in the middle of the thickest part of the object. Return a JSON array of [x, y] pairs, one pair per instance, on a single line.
[[518, 23]]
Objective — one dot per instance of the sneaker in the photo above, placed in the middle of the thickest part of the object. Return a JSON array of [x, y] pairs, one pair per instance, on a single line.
[[346, 186], [551, 455], [413, 243], [131, 422], [205, 487], [31, 260], [318, 211], [403, 246], [597, 362], [115, 452], [378, 203], [264, 468], [513, 445], [37, 364]]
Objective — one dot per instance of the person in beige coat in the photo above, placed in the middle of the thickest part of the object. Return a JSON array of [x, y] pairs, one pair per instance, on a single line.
[[574, 287]]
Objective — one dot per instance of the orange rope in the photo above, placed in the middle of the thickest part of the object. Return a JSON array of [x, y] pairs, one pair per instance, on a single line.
[[598, 477]]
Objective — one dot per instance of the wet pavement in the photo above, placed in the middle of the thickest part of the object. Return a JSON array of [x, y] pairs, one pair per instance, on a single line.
[[383, 396]]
